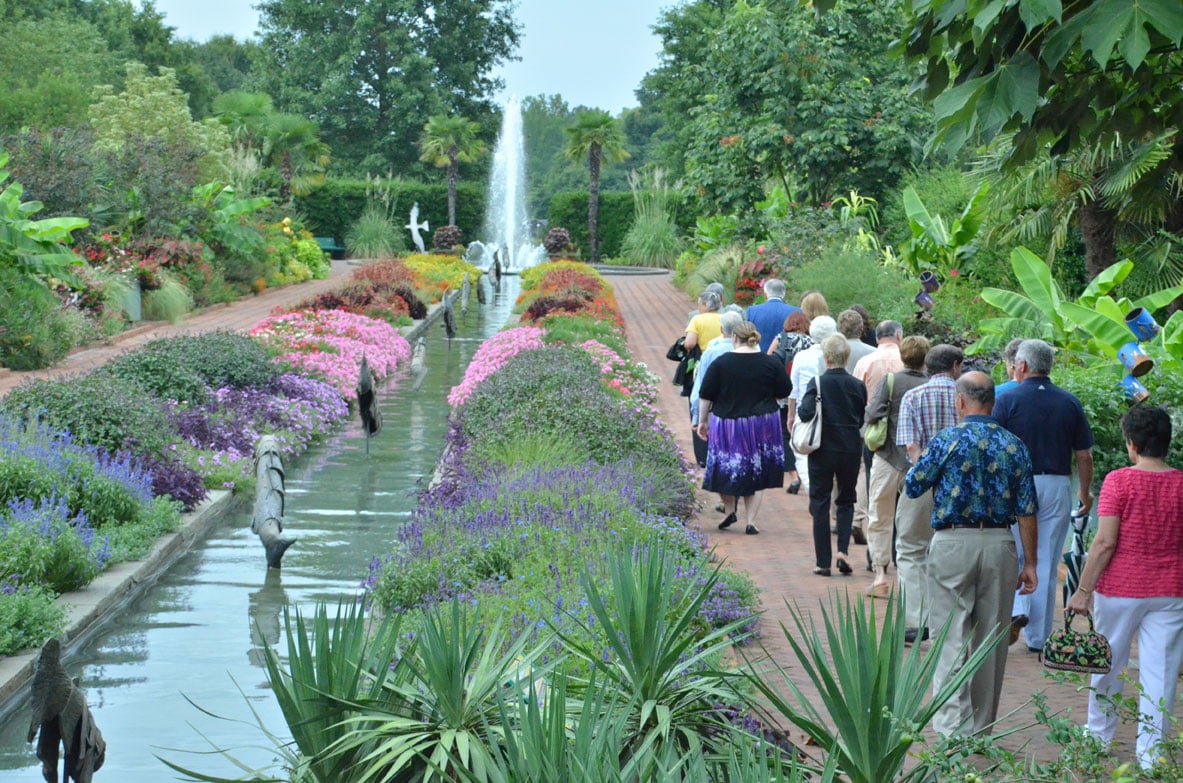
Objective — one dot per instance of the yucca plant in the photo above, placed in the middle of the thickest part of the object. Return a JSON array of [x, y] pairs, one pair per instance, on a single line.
[[873, 690], [658, 658], [441, 714]]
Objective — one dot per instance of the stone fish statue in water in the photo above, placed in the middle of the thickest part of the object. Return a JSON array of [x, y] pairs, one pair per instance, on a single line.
[[267, 520], [60, 711]]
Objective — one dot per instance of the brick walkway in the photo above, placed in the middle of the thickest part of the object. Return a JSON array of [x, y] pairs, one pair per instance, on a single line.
[[780, 559]]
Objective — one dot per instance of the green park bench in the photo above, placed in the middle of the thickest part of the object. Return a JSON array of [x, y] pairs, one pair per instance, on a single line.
[[330, 246]]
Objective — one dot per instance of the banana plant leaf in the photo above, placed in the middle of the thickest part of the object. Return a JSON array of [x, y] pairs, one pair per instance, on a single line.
[[1105, 282], [1109, 334]]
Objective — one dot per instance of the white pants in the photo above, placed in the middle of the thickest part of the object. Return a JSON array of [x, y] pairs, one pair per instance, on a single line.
[[1158, 623], [1054, 494]]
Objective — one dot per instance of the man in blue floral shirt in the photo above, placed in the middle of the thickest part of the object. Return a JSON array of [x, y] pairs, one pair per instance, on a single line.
[[981, 479]]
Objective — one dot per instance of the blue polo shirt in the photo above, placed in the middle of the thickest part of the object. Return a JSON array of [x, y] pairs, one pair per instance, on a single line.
[[769, 318], [1049, 421]]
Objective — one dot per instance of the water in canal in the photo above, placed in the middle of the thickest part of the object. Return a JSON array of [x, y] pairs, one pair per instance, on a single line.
[[197, 633]]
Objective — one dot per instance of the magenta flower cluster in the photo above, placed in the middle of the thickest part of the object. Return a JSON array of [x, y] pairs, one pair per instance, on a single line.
[[627, 379], [492, 356], [330, 344]]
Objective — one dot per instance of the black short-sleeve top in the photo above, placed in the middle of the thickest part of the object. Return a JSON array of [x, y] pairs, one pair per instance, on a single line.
[[744, 384]]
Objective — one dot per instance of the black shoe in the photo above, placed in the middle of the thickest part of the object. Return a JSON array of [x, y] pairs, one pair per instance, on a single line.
[[856, 535], [752, 530], [1035, 649], [728, 521], [1017, 624], [794, 487], [910, 635]]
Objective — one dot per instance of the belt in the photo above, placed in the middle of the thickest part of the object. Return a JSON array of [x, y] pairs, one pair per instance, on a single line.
[[984, 524]]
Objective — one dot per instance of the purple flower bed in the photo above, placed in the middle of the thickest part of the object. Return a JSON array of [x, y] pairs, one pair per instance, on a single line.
[[44, 542]]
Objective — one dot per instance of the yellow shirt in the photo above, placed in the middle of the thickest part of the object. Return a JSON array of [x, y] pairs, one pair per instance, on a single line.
[[706, 326]]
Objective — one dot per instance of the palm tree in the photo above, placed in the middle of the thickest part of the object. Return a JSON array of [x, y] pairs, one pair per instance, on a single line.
[[450, 141], [1114, 191], [597, 136], [292, 145], [245, 115]]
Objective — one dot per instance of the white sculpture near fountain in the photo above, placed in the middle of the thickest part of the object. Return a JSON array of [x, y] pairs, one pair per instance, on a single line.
[[415, 226], [506, 226]]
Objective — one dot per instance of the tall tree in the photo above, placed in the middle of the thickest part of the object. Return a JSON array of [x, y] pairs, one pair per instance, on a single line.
[[1059, 79], [292, 144], [450, 141], [760, 93], [372, 71], [595, 136]]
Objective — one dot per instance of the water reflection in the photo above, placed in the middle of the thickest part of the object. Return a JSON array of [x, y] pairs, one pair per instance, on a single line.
[[264, 610]]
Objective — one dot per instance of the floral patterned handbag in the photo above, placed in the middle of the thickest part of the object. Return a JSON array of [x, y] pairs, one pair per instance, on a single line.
[[1073, 651]]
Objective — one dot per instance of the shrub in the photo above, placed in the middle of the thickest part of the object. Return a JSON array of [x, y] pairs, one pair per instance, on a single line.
[[172, 478], [447, 237], [309, 253], [28, 616], [161, 372], [575, 328], [42, 543], [33, 332], [616, 216], [39, 463], [100, 409], [847, 276], [221, 358], [331, 208], [558, 240]]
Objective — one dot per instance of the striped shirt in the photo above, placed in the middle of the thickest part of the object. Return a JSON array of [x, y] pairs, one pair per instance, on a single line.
[[926, 410]]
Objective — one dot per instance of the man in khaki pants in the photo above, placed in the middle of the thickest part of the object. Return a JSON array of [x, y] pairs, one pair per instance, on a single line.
[[980, 475], [924, 411]]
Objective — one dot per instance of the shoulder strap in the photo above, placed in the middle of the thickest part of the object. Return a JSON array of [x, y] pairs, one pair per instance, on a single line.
[[890, 386]]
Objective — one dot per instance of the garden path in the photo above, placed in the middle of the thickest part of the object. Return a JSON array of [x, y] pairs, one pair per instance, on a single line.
[[780, 559], [235, 316]]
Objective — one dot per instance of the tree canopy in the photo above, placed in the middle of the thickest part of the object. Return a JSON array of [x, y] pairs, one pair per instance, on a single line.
[[372, 72]]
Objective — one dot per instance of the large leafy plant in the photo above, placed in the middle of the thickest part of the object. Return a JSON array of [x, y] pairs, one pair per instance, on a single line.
[[1094, 322], [34, 249], [873, 693], [935, 246]]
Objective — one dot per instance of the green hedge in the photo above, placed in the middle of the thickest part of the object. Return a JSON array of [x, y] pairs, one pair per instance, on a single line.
[[569, 210], [333, 207]]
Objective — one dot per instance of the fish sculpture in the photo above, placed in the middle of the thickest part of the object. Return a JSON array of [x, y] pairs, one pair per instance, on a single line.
[[415, 226], [267, 520], [367, 402], [449, 317], [465, 290], [60, 711]]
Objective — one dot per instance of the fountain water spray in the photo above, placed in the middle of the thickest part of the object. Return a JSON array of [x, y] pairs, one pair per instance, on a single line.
[[506, 225]]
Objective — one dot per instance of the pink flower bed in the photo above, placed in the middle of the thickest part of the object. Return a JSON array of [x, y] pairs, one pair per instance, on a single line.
[[330, 344], [492, 356]]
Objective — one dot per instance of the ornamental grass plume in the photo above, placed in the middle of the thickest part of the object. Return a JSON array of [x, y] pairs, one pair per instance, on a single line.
[[330, 344], [492, 356]]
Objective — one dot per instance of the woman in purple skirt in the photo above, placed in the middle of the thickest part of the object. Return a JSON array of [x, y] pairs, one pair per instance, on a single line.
[[738, 417]]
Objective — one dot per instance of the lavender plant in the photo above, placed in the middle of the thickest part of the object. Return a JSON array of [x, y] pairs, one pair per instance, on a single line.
[[28, 616]]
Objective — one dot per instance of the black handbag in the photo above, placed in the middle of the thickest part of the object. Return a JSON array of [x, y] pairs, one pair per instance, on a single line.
[[1074, 651], [677, 351]]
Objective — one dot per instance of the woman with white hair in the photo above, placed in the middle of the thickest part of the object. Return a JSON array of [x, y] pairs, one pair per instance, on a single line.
[[807, 365]]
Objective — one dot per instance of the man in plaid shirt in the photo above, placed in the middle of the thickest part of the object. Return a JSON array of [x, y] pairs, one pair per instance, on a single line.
[[924, 411]]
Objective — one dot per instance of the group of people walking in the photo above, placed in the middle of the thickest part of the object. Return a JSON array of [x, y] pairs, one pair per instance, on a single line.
[[968, 493]]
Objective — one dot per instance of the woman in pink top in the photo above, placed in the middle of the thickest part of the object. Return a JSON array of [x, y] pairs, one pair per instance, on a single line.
[[1135, 565]]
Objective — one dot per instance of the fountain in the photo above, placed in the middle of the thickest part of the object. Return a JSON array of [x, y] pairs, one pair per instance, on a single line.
[[506, 228]]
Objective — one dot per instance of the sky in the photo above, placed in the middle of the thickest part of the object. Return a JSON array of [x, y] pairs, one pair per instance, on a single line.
[[592, 52]]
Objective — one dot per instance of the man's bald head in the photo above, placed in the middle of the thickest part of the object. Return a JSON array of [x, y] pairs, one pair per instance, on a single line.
[[976, 389]]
